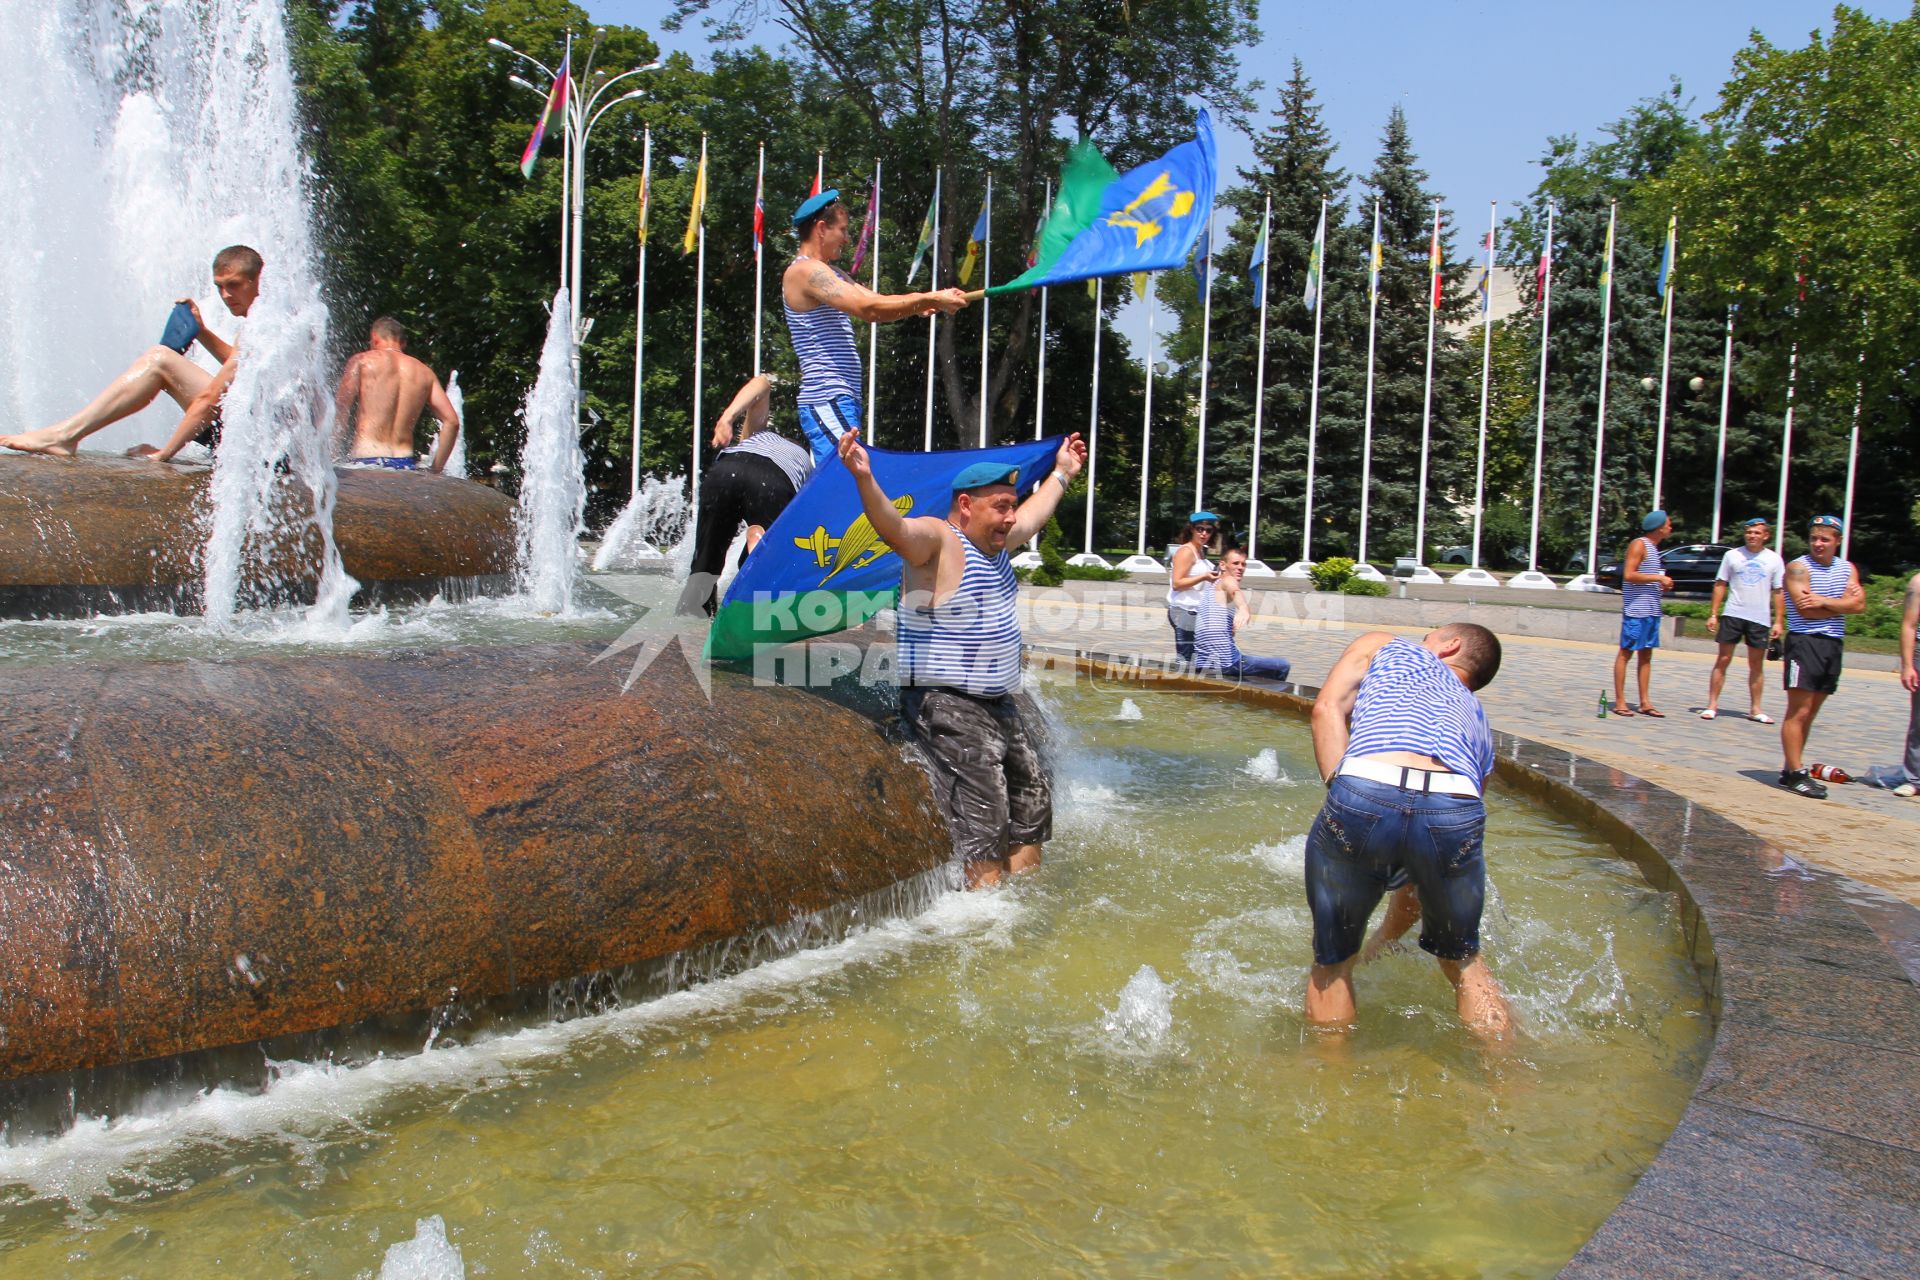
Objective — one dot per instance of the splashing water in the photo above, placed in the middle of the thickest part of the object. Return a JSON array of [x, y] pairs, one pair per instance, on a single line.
[[650, 529], [164, 132], [1142, 1020], [1265, 767], [457, 460], [553, 486], [428, 1256], [1129, 710]]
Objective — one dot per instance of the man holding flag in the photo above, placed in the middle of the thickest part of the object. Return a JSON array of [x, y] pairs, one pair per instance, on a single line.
[[960, 659], [821, 302]]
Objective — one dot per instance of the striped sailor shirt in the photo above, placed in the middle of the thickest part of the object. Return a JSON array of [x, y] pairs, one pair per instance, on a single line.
[[1409, 700], [829, 358], [1830, 581], [971, 640]]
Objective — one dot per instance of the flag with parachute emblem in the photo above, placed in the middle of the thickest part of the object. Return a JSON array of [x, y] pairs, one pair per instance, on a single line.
[[821, 567]]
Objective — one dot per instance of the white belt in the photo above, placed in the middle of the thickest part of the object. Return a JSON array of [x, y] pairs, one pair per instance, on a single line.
[[1394, 775]]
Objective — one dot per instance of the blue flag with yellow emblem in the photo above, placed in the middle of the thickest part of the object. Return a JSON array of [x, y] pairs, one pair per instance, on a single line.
[[1107, 224], [821, 567]]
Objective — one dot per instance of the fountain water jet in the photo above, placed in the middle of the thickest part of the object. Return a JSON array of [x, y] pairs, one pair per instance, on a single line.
[[553, 486]]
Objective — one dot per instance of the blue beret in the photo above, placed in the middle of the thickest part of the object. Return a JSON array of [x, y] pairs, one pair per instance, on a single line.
[[982, 474], [814, 204], [1198, 516], [1653, 520]]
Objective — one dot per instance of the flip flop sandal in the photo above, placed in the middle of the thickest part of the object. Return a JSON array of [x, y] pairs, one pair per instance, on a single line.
[[1709, 714], [1620, 710], [1649, 711], [1761, 718]]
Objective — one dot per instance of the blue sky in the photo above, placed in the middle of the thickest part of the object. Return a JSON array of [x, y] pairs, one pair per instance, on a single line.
[[1484, 85]]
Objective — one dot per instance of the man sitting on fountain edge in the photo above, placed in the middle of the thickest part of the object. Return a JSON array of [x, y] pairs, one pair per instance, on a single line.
[[960, 659], [236, 274], [391, 388]]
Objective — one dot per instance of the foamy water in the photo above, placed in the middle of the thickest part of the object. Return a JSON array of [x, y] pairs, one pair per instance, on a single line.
[[551, 513]]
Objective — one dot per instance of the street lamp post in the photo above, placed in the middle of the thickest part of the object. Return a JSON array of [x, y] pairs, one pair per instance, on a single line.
[[586, 102]]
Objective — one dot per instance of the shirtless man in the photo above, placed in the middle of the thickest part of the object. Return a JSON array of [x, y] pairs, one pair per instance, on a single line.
[[821, 302], [236, 274], [391, 388]]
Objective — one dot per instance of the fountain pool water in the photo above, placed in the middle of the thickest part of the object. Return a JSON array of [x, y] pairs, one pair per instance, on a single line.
[[1100, 1069]]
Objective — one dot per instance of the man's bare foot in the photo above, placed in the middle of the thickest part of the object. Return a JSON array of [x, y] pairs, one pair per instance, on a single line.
[[1379, 945], [51, 441], [142, 451]]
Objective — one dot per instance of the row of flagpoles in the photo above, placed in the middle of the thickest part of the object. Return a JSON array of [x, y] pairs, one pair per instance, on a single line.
[[978, 253]]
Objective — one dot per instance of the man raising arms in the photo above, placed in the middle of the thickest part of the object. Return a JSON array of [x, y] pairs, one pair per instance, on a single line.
[[959, 635], [390, 388], [1821, 590], [236, 274], [821, 302]]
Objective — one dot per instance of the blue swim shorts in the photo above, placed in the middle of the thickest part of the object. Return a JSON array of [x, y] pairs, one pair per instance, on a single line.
[[406, 463], [1371, 837], [826, 423], [1640, 633]]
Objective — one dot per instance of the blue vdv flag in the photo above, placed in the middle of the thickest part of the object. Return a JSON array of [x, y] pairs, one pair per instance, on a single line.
[[1147, 219], [822, 568]]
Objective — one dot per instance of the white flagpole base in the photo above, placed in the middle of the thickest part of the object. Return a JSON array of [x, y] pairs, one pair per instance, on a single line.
[[1585, 582], [1424, 575], [1141, 564], [1473, 577], [1088, 558], [1367, 572], [1259, 569], [1532, 580], [1298, 569], [1026, 560]]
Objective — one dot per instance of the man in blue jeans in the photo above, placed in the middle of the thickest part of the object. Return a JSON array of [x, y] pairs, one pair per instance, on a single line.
[[1405, 751], [1223, 612]]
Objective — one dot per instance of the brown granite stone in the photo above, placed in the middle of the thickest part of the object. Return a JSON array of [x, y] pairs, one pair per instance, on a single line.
[[90, 533]]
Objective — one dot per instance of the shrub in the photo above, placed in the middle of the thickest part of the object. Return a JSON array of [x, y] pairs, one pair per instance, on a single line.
[[1362, 587], [1094, 573], [1331, 574]]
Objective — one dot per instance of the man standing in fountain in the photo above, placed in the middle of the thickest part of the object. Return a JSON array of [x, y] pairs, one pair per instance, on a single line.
[[1405, 751], [236, 274], [390, 388], [959, 635], [821, 302], [755, 474]]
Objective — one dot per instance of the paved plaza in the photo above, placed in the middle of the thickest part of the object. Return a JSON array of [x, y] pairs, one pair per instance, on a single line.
[[1548, 690]]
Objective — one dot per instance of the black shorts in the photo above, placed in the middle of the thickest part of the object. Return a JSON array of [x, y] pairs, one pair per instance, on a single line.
[[1812, 662], [1734, 630], [738, 487], [987, 775]]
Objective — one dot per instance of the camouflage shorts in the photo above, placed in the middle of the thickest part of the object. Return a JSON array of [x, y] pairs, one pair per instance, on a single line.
[[989, 779]]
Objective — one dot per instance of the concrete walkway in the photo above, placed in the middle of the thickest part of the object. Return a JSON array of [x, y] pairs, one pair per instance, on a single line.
[[1548, 690]]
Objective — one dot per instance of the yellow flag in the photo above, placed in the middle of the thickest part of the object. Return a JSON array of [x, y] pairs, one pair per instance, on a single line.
[[1140, 285], [699, 210], [646, 196]]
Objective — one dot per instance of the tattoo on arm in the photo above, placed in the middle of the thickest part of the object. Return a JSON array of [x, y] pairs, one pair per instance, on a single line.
[[824, 284]]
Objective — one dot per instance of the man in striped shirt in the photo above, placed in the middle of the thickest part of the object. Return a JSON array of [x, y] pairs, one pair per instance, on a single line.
[[821, 302], [1642, 579], [1821, 590], [754, 476], [1405, 750], [960, 659]]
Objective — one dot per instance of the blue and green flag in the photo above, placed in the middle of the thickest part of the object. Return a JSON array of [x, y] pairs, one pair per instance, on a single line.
[[1106, 223], [821, 567]]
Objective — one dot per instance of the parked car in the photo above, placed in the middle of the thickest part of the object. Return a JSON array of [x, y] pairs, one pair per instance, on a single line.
[[1692, 566], [1463, 554]]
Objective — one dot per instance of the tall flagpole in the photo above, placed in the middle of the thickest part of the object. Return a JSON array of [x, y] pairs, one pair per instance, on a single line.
[[1666, 364], [1426, 405], [933, 317], [1040, 379], [1726, 396], [1587, 581], [1853, 457], [1533, 577], [986, 305], [1146, 424], [1786, 448], [1366, 445], [873, 330], [759, 253], [640, 292], [1313, 396], [1476, 573], [1093, 415], [1259, 388], [1206, 349], [699, 329]]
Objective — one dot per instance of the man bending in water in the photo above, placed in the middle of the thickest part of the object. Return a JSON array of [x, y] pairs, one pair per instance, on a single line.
[[1405, 750], [390, 388], [236, 274]]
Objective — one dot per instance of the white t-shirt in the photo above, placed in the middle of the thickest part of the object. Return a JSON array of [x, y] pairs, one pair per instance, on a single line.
[[1752, 578]]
